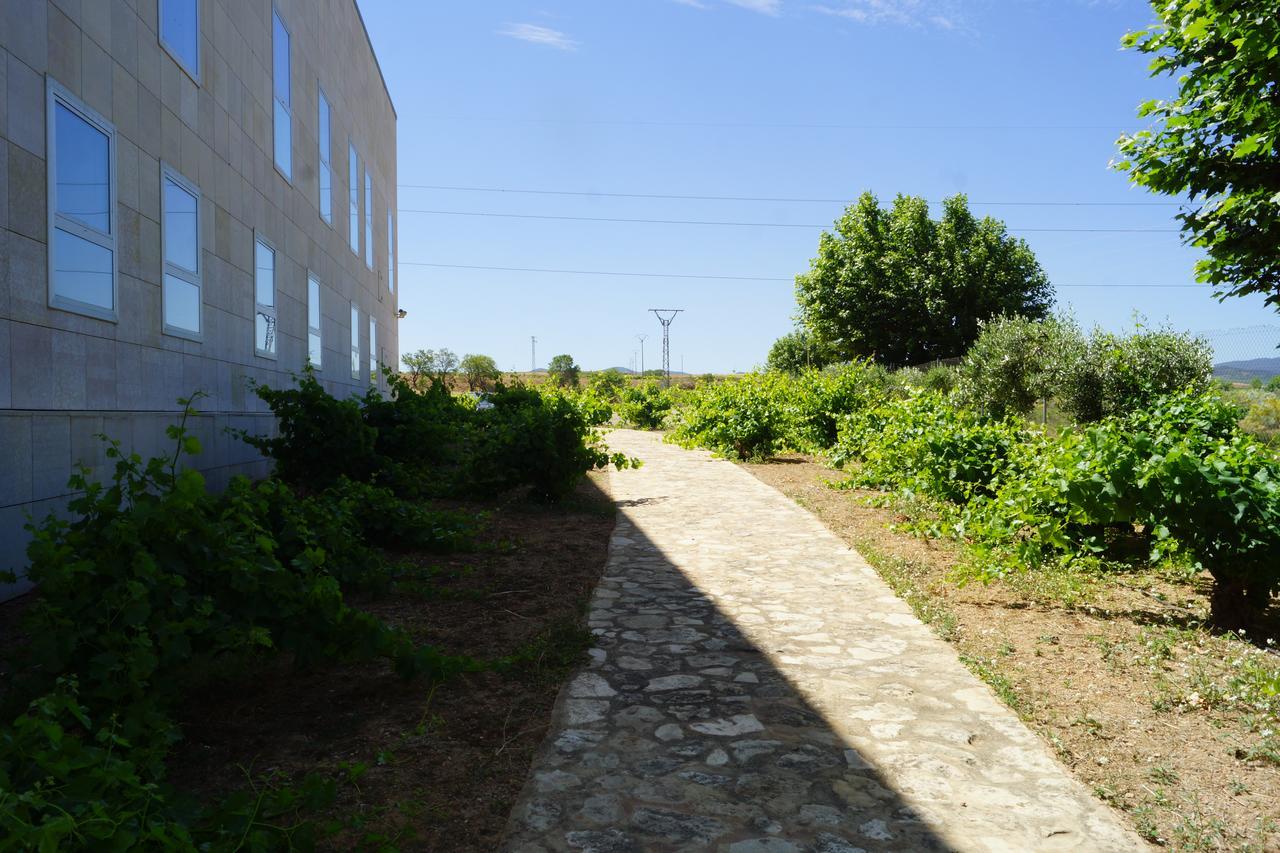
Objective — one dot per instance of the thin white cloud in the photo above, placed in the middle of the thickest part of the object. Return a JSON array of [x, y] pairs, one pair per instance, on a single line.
[[908, 13], [764, 7], [697, 4], [535, 34]]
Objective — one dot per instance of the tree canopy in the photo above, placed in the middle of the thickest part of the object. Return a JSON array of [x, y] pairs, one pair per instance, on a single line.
[[563, 372], [433, 364], [481, 371], [795, 351], [1218, 141], [902, 288]]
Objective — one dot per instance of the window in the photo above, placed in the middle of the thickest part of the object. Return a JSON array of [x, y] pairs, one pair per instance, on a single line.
[[315, 351], [373, 350], [283, 101], [180, 33], [354, 193], [264, 297], [355, 341], [326, 168], [82, 207], [180, 234], [368, 219], [391, 251]]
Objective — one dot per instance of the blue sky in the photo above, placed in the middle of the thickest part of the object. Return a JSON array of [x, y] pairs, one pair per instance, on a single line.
[[1005, 100]]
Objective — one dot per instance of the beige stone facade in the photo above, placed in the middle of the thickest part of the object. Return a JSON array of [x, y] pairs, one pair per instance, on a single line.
[[68, 373]]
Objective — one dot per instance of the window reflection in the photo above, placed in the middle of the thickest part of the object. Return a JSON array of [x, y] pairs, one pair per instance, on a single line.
[[83, 180], [83, 271]]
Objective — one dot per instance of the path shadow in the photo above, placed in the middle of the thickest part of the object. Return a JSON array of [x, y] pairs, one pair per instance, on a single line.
[[682, 734]]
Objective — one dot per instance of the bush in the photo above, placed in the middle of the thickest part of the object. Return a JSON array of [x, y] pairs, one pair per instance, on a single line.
[[154, 581], [823, 398], [595, 406], [1016, 362], [752, 418], [1117, 375], [645, 406], [542, 441], [1263, 419], [1181, 471], [608, 384], [940, 379], [923, 443], [432, 444], [319, 438]]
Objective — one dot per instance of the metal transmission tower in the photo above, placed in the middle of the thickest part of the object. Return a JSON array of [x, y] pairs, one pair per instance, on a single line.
[[533, 354], [642, 339], [665, 316]]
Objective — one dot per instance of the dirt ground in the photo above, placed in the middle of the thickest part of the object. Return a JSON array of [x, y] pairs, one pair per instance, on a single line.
[[426, 767], [1169, 722]]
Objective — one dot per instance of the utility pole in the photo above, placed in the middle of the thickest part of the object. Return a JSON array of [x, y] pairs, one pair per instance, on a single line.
[[533, 354], [642, 339], [665, 316]]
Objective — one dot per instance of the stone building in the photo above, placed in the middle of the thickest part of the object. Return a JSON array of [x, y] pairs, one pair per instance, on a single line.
[[194, 195]]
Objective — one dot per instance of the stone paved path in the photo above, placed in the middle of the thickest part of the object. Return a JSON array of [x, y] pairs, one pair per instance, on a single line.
[[757, 687]]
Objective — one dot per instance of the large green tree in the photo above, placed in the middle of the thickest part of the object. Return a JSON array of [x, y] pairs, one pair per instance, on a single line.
[[797, 351], [902, 288], [1218, 141], [481, 371]]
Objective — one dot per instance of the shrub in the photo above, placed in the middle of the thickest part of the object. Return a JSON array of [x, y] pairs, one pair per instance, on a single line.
[[1116, 375], [1263, 419], [645, 406], [940, 379], [539, 440], [608, 384], [822, 398], [319, 438], [1180, 470], [1015, 362], [1273, 385], [152, 582], [432, 444], [752, 418], [923, 443], [594, 404]]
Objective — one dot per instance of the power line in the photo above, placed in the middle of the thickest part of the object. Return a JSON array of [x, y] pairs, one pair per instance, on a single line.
[[771, 199], [492, 214], [701, 277], [770, 125]]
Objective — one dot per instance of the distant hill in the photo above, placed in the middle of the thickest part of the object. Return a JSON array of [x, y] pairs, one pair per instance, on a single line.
[[1244, 371]]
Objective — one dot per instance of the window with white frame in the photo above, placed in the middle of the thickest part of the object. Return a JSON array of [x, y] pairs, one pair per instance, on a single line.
[[283, 123], [326, 167], [368, 218], [373, 351], [353, 187], [180, 235], [315, 348], [264, 297], [391, 251], [180, 33], [355, 341], [82, 207]]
